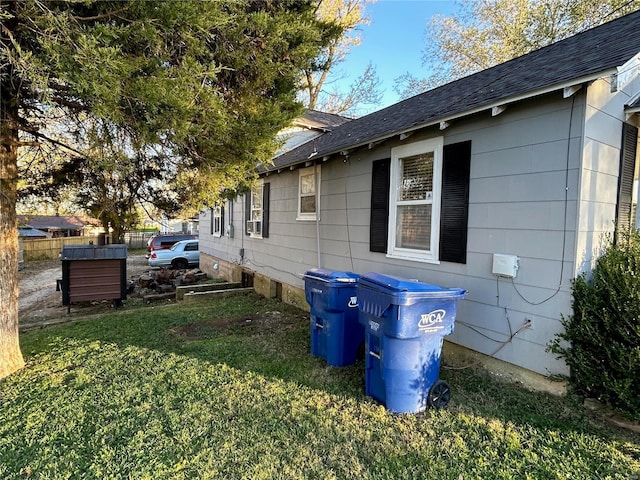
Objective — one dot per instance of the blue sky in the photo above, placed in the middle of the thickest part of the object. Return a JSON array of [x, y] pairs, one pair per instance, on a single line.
[[393, 42]]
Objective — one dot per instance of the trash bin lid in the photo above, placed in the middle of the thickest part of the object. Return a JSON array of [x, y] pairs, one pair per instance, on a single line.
[[331, 276], [404, 287]]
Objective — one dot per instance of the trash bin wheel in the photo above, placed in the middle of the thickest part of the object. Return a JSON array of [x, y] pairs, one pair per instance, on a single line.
[[439, 394]]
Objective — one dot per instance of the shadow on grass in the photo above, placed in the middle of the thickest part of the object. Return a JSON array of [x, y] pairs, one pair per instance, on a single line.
[[249, 333], [270, 338]]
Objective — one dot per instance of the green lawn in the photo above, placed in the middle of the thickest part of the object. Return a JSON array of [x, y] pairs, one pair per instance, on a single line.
[[227, 389]]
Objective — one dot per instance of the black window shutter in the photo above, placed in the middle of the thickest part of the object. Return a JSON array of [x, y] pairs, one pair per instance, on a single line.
[[379, 222], [222, 221], [265, 210], [625, 180], [247, 211], [454, 211]]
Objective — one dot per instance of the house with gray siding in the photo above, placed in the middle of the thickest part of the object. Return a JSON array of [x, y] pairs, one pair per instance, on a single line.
[[507, 183]]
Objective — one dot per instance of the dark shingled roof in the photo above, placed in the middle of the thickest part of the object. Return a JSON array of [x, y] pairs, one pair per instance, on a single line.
[[580, 58], [60, 222]]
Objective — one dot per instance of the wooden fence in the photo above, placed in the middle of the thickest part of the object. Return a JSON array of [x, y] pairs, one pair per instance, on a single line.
[[50, 248]]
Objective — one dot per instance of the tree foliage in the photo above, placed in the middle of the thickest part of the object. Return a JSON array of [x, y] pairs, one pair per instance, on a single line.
[[364, 90], [601, 341], [487, 32], [206, 85], [349, 15]]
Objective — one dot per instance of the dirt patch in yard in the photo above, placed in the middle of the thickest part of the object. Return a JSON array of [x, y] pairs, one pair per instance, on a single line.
[[38, 297], [269, 322]]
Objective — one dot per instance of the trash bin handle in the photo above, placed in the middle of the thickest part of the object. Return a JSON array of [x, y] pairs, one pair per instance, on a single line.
[[374, 354], [319, 325], [325, 280]]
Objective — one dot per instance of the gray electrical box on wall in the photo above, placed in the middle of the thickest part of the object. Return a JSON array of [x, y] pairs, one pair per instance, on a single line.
[[505, 265]]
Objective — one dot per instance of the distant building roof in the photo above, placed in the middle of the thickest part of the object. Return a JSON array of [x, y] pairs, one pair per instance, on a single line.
[[56, 222], [570, 62]]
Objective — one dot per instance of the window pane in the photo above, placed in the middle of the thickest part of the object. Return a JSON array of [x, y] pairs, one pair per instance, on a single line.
[[307, 184], [308, 204], [416, 182], [256, 198], [413, 227]]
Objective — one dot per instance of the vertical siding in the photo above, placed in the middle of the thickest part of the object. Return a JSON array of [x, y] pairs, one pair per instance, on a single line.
[[525, 189]]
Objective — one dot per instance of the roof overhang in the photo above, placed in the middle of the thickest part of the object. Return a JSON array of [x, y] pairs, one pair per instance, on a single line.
[[633, 106], [568, 89], [311, 126]]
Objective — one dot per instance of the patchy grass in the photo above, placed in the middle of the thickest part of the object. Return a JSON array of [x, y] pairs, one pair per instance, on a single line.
[[227, 389]]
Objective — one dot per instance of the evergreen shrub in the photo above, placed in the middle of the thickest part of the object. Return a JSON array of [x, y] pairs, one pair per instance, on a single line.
[[601, 341]]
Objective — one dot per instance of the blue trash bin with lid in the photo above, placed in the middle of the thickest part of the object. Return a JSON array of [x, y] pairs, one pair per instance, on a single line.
[[405, 322], [336, 333]]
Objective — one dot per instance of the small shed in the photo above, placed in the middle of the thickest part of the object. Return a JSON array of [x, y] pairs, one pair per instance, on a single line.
[[94, 272]]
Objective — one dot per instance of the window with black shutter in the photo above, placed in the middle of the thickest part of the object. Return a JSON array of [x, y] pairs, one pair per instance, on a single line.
[[217, 221], [257, 211], [420, 202]]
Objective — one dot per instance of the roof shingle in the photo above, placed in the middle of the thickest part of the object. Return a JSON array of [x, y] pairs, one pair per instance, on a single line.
[[581, 57]]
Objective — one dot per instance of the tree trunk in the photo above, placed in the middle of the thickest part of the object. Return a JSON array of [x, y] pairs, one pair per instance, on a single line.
[[10, 354]]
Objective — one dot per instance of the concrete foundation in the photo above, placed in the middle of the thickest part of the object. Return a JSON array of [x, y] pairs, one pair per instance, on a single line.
[[456, 356]]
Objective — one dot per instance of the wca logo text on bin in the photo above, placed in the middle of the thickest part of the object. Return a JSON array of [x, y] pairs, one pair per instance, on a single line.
[[353, 302], [428, 321]]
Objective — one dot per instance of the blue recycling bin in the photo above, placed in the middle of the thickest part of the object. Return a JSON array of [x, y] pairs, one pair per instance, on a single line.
[[405, 322], [336, 333]]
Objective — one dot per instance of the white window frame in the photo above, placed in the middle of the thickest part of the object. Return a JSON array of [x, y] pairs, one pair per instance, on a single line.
[[314, 170], [229, 226], [217, 221], [256, 213], [434, 145]]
